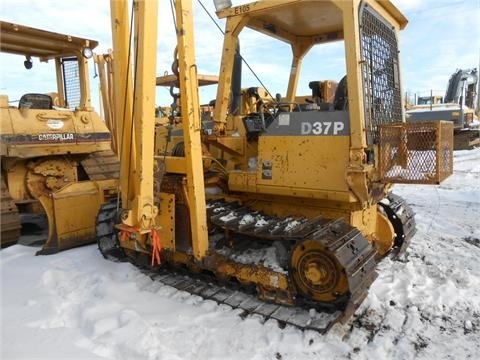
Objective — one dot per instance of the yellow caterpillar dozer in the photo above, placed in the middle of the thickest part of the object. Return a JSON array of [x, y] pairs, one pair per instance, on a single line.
[[51, 141], [281, 206]]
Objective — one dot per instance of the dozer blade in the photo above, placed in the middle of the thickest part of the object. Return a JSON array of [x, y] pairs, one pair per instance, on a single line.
[[10, 219], [72, 211]]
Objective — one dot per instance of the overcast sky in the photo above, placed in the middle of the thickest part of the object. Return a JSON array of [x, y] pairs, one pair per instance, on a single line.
[[441, 36]]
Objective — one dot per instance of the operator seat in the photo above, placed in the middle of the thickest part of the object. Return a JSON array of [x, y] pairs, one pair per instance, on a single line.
[[341, 95], [318, 97]]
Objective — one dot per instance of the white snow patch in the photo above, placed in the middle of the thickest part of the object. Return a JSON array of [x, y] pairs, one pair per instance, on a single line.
[[247, 219], [266, 256], [230, 216], [292, 225]]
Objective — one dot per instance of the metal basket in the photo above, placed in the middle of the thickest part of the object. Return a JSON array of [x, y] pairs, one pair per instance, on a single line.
[[415, 153]]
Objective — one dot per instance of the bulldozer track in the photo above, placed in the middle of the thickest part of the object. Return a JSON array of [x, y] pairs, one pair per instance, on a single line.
[[402, 218], [345, 243], [352, 251], [101, 165], [231, 294], [10, 218], [250, 304]]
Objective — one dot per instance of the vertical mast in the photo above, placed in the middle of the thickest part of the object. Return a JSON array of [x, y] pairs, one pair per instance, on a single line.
[[135, 107], [122, 91], [191, 126]]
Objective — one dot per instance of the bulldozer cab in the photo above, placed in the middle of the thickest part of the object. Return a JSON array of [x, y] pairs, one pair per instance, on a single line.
[[70, 55], [349, 130], [63, 118], [369, 34]]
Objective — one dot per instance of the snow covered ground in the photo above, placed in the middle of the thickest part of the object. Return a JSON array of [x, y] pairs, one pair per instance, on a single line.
[[77, 305]]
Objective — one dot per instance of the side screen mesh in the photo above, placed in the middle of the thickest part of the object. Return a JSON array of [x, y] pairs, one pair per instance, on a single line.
[[381, 82], [71, 82]]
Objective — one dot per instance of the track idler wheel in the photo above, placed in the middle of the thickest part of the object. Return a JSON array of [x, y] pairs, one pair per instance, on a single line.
[[316, 273]]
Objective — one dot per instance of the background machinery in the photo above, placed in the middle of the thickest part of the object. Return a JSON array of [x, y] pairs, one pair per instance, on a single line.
[[457, 106], [278, 198], [51, 139]]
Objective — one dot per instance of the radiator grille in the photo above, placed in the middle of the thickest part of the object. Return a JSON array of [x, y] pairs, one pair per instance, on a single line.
[[71, 79]]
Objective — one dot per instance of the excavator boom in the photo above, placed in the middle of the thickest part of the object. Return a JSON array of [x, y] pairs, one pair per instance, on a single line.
[[457, 107]]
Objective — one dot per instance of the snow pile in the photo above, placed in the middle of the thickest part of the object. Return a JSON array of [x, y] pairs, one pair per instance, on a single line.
[[266, 256], [76, 304]]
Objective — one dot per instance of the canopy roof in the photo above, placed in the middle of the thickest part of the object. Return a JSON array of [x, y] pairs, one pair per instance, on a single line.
[[315, 21], [28, 41]]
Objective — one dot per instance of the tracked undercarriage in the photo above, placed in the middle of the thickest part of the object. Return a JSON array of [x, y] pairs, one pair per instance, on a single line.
[[309, 273]]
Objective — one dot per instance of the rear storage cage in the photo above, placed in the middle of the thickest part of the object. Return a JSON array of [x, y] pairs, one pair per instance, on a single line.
[[416, 153]]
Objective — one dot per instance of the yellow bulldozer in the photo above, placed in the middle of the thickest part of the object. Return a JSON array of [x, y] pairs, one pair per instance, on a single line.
[[51, 139], [277, 205]]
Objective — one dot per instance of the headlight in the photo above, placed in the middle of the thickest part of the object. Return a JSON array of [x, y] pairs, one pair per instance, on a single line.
[[87, 52]]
